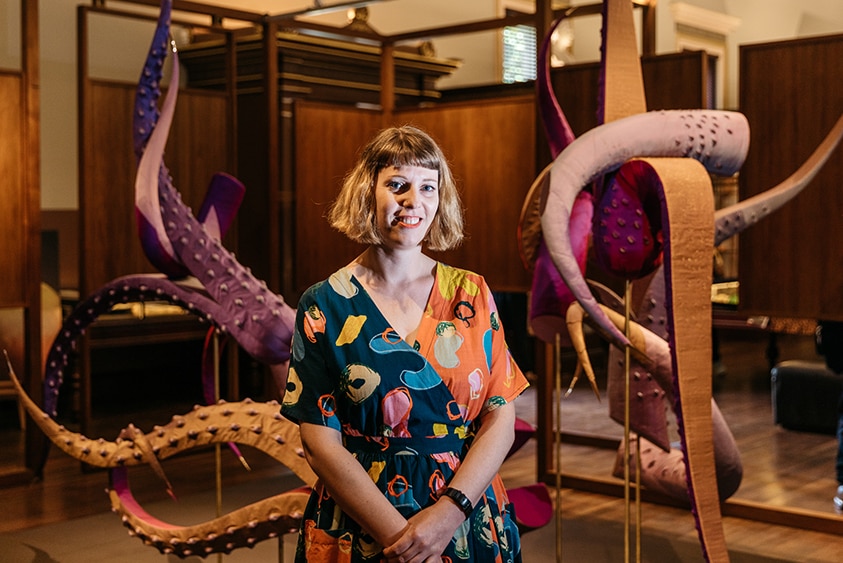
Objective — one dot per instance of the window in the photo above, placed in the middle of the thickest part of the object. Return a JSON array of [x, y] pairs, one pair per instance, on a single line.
[[519, 54]]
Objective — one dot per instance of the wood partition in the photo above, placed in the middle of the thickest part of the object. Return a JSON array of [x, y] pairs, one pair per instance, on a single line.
[[490, 147], [13, 244], [674, 81], [790, 263], [196, 148], [327, 140]]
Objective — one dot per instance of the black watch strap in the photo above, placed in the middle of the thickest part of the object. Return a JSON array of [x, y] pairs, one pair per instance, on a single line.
[[462, 501]]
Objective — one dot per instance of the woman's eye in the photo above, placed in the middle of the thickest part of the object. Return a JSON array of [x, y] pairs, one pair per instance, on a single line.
[[394, 185], [429, 188]]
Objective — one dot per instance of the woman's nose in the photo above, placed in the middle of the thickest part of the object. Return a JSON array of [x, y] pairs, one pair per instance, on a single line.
[[408, 198]]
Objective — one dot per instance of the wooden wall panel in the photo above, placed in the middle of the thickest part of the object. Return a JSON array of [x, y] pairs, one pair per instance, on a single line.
[[109, 244], [791, 264], [197, 147], [328, 140], [13, 233], [675, 81], [491, 148]]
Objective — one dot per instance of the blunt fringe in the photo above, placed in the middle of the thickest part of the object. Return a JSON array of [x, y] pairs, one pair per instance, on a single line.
[[353, 212]]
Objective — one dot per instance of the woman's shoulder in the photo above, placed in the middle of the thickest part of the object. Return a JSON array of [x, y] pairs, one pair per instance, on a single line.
[[446, 270], [338, 284], [451, 278]]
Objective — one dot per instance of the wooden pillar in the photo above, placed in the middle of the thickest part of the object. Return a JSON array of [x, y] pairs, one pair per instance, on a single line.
[[32, 186], [648, 29], [233, 359], [543, 352], [544, 21], [387, 82], [273, 148]]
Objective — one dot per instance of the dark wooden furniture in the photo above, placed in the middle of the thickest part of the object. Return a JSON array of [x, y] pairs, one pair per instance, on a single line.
[[319, 68], [125, 355]]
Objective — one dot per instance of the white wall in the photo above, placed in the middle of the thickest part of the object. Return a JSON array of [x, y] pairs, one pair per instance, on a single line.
[[760, 21], [120, 50], [10, 37]]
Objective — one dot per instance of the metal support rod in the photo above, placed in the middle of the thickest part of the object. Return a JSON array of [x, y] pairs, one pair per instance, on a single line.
[[217, 448], [626, 329], [558, 442], [626, 431]]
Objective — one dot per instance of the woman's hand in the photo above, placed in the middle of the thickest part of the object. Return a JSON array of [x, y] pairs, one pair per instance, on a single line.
[[427, 534]]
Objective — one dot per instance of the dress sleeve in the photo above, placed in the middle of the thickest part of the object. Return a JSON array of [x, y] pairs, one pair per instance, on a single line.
[[311, 382], [506, 381]]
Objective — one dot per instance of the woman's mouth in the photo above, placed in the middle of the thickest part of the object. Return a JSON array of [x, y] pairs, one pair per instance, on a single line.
[[408, 221]]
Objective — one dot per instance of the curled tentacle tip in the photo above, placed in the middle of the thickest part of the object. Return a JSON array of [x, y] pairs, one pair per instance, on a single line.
[[244, 463], [596, 392]]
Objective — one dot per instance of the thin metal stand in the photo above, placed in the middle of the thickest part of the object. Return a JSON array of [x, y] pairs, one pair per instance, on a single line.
[[626, 441], [217, 448], [558, 443]]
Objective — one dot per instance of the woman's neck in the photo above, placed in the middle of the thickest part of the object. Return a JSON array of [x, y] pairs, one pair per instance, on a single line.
[[386, 267], [399, 283]]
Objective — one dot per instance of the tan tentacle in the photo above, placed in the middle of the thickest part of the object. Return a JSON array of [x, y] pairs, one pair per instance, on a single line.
[[244, 527], [574, 319], [247, 422]]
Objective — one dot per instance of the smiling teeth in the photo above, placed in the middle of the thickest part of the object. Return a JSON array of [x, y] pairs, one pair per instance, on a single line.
[[411, 220]]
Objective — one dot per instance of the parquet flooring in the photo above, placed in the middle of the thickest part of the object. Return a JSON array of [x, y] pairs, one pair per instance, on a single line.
[[780, 467]]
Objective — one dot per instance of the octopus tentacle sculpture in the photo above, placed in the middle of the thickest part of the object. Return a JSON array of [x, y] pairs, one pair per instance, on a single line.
[[200, 275], [255, 424], [218, 288], [653, 225]]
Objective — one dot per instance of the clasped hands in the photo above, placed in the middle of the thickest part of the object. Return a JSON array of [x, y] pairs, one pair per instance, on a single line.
[[426, 535]]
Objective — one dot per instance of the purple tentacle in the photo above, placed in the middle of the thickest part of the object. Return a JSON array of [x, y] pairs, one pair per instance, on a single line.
[[556, 127], [225, 194], [149, 86], [127, 289]]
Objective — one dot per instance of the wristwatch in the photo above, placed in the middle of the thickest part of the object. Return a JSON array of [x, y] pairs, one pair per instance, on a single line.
[[462, 501]]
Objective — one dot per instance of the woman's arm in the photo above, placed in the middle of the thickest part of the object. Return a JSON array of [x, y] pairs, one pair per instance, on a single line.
[[349, 484], [430, 530]]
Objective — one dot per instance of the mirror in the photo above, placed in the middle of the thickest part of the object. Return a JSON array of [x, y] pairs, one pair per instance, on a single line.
[[787, 473]]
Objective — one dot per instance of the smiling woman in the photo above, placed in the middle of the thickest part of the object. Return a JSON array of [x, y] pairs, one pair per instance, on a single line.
[[400, 377]]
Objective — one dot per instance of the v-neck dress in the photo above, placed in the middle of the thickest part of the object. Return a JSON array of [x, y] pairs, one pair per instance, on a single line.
[[405, 412]]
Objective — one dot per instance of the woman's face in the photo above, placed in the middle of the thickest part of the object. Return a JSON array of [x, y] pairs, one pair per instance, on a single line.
[[406, 200]]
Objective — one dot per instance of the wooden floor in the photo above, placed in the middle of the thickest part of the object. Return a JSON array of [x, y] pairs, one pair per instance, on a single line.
[[781, 468]]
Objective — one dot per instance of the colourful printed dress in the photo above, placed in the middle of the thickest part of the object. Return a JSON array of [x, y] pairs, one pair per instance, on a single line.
[[404, 411]]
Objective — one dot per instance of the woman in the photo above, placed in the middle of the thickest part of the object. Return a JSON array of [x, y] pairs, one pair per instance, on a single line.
[[400, 377]]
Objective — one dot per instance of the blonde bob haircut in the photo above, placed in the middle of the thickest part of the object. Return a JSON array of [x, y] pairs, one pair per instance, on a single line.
[[353, 212]]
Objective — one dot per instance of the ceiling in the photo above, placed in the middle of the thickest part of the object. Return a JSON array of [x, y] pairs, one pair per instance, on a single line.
[[388, 16]]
